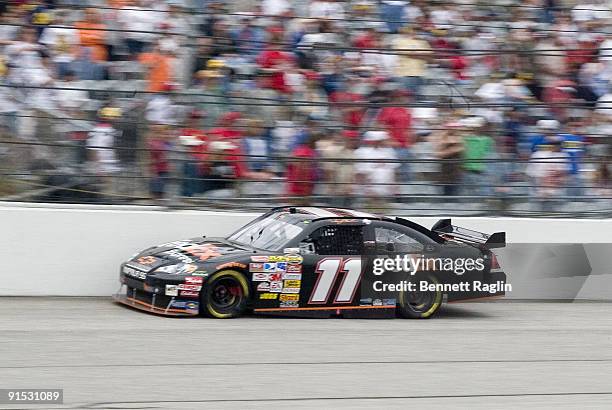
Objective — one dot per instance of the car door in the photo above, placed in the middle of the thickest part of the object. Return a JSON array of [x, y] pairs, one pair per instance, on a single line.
[[333, 266], [390, 242]]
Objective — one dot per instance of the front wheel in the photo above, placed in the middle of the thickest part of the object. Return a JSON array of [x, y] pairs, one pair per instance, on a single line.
[[225, 295], [419, 304]]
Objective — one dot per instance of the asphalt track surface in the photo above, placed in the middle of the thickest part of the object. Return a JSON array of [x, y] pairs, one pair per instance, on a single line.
[[473, 355]]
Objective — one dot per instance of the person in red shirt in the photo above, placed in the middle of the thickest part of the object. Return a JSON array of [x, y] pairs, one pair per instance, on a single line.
[[224, 168], [352, 115], [159, 143], [397, 121], [558, 94], [195, 145], [226, 127], [302, 172], [275, 62], [368, 40]]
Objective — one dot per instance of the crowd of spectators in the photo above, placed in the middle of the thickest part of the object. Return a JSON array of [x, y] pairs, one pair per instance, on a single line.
[[322, 101]]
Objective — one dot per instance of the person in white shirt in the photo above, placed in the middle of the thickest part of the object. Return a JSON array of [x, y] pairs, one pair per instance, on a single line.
[[101, 143], [161, 108], [25, 56], [605, 51], [143, 22], [60, 42], [376, 180], [275, 7], [328, 9], [548, 170]]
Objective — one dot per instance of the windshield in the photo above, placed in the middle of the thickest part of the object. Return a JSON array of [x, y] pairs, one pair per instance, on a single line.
[[270, 233]]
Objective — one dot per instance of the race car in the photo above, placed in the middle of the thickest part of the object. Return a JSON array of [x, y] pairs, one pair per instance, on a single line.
[[316, 262]]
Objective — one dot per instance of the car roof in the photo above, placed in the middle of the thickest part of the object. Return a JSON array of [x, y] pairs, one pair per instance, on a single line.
[[343, 215], [317, 213]]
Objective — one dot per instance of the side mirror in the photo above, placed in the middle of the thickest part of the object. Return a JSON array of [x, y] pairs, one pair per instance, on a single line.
[[306, 248]]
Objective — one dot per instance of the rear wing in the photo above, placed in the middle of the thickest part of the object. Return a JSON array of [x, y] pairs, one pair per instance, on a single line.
[[495, 240]]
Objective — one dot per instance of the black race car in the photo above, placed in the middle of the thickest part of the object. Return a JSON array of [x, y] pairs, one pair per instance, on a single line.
[[316, 262]]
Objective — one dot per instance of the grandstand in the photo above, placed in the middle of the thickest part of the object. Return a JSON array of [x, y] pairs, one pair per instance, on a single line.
[[411, 107]]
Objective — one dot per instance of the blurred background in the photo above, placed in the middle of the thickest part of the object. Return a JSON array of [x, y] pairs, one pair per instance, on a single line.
[[407, 107]]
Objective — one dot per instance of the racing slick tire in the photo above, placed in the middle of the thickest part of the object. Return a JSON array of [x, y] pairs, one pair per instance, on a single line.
[[419, 304], [225, 295]]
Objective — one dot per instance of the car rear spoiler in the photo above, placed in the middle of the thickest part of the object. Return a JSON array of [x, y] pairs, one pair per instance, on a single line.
[[445, 227]]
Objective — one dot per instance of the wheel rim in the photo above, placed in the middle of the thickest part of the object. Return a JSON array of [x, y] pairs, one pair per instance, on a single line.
[[226, 293], [420, 301]]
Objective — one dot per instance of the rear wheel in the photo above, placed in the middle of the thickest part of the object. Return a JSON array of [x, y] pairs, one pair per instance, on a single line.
[[419, 304], [225, 295]]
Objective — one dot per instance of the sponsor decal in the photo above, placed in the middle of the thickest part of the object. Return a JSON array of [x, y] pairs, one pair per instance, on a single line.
[[256, 267], [291, 290], [175, 244], [263, 287], [128, 270], [293, 283], [194, 279], [189, 293], [171, 290], [259, 258], [344, 221], [232, 265], [203, 252], [268, 296], [288, 297], [174, 253], [276, 287], [277, 258], [275, 277], [389, 302], [292, 276], [377, 302], [289, 304], [146, 260], [180, 304], [185, 304], [189, 286], [269, 267], [365, 302], [294, 259], [281, 266], [175, 269], [294, 268], [200, 273], [139, 266], [189, 268], [260, 277]]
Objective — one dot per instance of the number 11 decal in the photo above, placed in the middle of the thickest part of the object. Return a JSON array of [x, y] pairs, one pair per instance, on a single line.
[[328, 270]]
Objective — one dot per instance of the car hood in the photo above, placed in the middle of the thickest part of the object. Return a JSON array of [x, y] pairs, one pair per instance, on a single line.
[[195, 251]]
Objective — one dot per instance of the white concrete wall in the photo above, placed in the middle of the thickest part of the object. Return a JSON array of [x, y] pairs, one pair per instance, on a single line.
[[76, 250]]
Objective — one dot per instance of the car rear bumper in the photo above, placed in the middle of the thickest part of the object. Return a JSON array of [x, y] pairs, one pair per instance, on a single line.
[[492, 286]]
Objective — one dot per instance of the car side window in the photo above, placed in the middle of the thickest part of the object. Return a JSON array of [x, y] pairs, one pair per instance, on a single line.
[[337, 240], [391, 240]]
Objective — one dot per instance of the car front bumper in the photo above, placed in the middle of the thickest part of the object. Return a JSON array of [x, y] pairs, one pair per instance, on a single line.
[[142, 296]]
